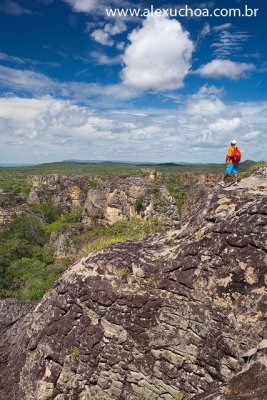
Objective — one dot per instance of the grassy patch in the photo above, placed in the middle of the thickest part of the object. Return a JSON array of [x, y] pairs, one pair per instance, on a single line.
[[253, 168], [182, 396], [68, 218], [102, 236], [14, 181], [29, 278]]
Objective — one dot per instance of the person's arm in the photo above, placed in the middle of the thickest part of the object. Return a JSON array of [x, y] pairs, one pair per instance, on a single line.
[[228, 155]]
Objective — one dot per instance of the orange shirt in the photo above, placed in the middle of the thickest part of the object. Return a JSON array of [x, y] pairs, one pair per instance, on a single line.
[[230, 153]]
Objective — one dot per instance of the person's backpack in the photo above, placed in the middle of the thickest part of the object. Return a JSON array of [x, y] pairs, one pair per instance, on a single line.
[[236, 156]]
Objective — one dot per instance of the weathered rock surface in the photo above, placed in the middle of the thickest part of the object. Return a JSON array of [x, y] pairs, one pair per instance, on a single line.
[[63, 191], [67, 241], [10, 207], [117, 198], [125, 197], [183, 310]]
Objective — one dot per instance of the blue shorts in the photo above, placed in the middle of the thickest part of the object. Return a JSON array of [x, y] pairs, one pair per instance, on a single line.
[[232, 169]]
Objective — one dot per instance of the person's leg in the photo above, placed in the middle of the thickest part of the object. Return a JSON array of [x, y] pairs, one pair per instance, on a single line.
[[235, 171], [228, 171]]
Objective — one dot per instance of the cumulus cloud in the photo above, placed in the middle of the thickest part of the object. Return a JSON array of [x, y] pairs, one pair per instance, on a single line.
[[82, 5], [46, 129], [225, 69], [37, 84], [159, 56], [87, 6], [103, 36], [226, 125]]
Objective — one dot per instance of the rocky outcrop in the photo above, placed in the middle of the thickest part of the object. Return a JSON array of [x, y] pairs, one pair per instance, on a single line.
[[63, 191], [181, 311], [125, 197], [68, 241], [10, 207], [117, 198]]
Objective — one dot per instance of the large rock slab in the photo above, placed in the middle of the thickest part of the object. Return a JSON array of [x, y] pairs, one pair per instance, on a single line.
[[181, 311]]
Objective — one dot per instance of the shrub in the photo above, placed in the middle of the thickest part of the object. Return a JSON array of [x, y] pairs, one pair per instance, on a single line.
[[182, 396], [95, 185], [28, 228], [123, 273], [139, 204], [46, 211], [103, 236], [74, 352], [29, 278], [73, 216]]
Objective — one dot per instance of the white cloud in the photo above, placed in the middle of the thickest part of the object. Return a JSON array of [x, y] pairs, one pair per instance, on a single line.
[[199, 129], [225, 69], [222, 27], [37, 84], [206, 102], [103, 59], [120, 45], [159, 56], [24, 61], [102, 37], [27, 80], [227, 43], [88, 6], [223, 125], [205, 30], [13, 8], [116, 28], [82, 5]]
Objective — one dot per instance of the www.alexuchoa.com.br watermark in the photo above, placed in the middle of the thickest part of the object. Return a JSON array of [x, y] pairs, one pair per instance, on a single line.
[[185, 11]]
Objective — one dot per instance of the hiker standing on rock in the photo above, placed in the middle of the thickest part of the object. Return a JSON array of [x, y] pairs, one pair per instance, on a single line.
[[233, 158]]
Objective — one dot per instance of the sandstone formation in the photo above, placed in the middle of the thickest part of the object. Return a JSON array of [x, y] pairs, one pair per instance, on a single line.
[[104, 201], [125, 197], [67, 241], [10, 207], [181, 311], [63, 191], [117, 198]]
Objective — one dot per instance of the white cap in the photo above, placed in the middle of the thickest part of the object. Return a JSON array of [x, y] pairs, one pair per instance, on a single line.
[[233, 141]]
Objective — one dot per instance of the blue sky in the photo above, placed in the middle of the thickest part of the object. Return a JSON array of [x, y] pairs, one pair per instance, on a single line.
[[76, 84]]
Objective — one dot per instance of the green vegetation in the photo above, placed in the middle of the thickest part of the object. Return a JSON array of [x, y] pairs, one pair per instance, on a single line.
[[123, 273], [14, 182], [251, 169], [95, 185], [100, 237], [139, 204], [182, 396], [46, 211], [68, 218], [27, 266], [17, 176], [74, 352]]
